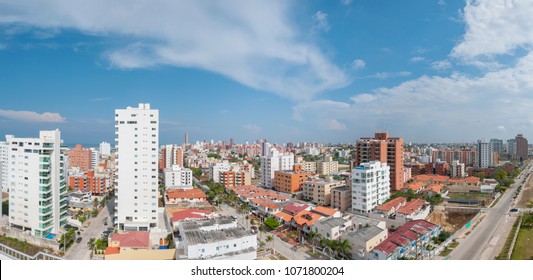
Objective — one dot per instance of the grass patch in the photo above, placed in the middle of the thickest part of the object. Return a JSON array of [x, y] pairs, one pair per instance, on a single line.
[[523, 249], [21, 246], [448, 249], [508, 242], [477, 196]]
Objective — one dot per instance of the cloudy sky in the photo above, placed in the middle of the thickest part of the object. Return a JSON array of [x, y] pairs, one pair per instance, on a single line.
[[326, 71]]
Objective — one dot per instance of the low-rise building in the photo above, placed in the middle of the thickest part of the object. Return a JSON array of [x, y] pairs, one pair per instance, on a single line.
[[137, 245], [318, 191], [189, 214], [327, 166], [290, 181], [235, 178], [185, 196], [414, 210], [407, 241], [391, 207], [177, 176], [215, 239], [364, 239], [341, 198]]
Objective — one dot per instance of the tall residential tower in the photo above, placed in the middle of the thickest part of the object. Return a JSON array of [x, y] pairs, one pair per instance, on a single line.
[[137, 137]]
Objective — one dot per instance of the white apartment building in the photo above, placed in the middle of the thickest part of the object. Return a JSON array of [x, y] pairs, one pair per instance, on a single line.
[[272, 162], [216, 168], [3, 166], [95, 158], [370, 185], [137, 137], [219, 239], [178, 176], [37, 187], [105, 149], [485, 158]]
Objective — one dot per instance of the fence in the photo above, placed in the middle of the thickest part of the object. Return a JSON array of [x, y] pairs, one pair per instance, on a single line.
[[21, 256]]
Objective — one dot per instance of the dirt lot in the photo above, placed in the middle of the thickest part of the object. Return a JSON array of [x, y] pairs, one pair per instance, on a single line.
[[450, 222], [527, 195]]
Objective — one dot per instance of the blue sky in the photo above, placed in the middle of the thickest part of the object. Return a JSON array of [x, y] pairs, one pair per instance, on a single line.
[[326, 71]]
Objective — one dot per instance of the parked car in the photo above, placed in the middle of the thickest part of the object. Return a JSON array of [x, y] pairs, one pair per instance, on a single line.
[[78, 240], [513, 210]]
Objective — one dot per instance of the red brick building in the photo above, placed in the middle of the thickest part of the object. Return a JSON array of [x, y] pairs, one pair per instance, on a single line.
[[80, 157]]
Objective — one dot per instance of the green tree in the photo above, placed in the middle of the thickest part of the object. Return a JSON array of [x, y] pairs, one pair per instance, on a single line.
[[344, 248], [272, 223], [481, 175], [212, 155]]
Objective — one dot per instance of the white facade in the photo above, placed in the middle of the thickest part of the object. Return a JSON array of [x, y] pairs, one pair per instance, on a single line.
[[37, 187], [327, 166], [216, 168], [458, 169], [137, 137], [178, 176], [105, 149], [312, 151], [484, 154], [3, 166], [212, 239], [95, 158], [272, 162], [370, 185]]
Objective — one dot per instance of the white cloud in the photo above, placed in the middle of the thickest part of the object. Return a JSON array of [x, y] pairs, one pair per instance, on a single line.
[[417, 59], [336, 125], [495, 27], [441, 2], [252, 128], [441, 65], [3, 46], [387, 75], [426, 107], [320, 21], [358, 64], [255, 43], [29, 116]]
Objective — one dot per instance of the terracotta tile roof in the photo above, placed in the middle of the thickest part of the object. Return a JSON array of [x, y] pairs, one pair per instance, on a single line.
[[307, 218], [189, 214], [412, 206], [251, 192], [392, 204], [267, 203], [295, 208], [192, 193], [133, 239], [431, 177], [325, 211], [284, 216], [112, 251], [436, 188], [472, 180], [416, 186]]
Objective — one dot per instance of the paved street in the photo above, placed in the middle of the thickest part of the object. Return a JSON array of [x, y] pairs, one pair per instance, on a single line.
[[80, 251], [486, 240]]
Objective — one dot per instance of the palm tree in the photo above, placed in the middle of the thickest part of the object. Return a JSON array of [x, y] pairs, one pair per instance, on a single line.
[[344, 247]]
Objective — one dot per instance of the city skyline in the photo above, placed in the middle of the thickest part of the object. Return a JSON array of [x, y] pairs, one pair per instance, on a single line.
[[427, 71]]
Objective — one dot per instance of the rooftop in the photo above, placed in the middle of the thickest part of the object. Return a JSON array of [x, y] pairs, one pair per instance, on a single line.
[[189, 214], [412, 206], [392, 204], [184, 193], [325, 211], [365, 233], [133, 239], [193, 234]]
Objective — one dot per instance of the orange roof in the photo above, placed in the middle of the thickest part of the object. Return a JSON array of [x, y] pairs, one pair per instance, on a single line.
[[193, 193], [436, 188], [325, 211], [251, 192], [415, 186], [431, 177], [267, 203], [393, 203], [112, 251], [412, 206], [134, 239], [472, 180], [307, 218], [284, 216]]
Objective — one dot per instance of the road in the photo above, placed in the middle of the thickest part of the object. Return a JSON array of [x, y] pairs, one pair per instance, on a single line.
[[80, 251], [484, 242]]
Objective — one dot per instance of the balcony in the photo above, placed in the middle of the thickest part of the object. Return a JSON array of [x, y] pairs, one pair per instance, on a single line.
[[46, 203], [45, 211], [45, 189], [63, 203], [44, 159], [46, 218], [46, 225]]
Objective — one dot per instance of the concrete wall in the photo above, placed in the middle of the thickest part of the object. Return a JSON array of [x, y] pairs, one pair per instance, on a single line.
[[20, 235], [143, 254]]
